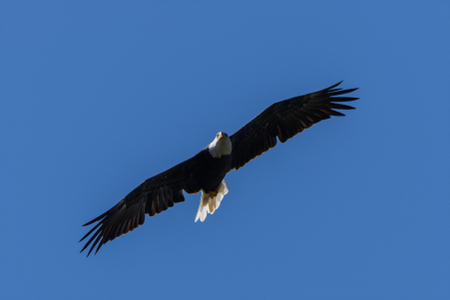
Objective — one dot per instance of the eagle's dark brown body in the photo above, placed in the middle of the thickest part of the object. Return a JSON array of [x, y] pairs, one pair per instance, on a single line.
[[210, 171]]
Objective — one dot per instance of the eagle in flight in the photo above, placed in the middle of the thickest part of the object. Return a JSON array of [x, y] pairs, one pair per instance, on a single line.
[[206, 170]]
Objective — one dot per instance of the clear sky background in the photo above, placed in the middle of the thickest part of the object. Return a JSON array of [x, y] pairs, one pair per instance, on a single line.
[[97, 96]]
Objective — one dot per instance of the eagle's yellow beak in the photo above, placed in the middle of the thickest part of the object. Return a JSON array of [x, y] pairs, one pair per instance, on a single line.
[[221, 134]]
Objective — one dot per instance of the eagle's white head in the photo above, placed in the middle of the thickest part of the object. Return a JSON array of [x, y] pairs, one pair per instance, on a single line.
[[220, 146]]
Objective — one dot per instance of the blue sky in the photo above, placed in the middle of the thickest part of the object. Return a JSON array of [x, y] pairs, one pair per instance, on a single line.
[[98, 96]]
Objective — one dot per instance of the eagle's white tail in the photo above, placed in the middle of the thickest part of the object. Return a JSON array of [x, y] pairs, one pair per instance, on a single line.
[[209, 202]]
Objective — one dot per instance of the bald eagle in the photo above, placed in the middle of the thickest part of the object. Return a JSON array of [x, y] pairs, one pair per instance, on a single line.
[[206, 170]]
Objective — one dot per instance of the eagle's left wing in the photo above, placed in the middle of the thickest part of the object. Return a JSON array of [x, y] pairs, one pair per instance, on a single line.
[[285, 119]]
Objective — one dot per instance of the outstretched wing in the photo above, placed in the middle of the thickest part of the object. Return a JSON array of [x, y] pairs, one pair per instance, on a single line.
[[285, 119], [151, 197]]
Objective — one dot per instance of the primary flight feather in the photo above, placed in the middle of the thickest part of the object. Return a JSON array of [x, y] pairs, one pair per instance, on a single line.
[[206, 170]]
